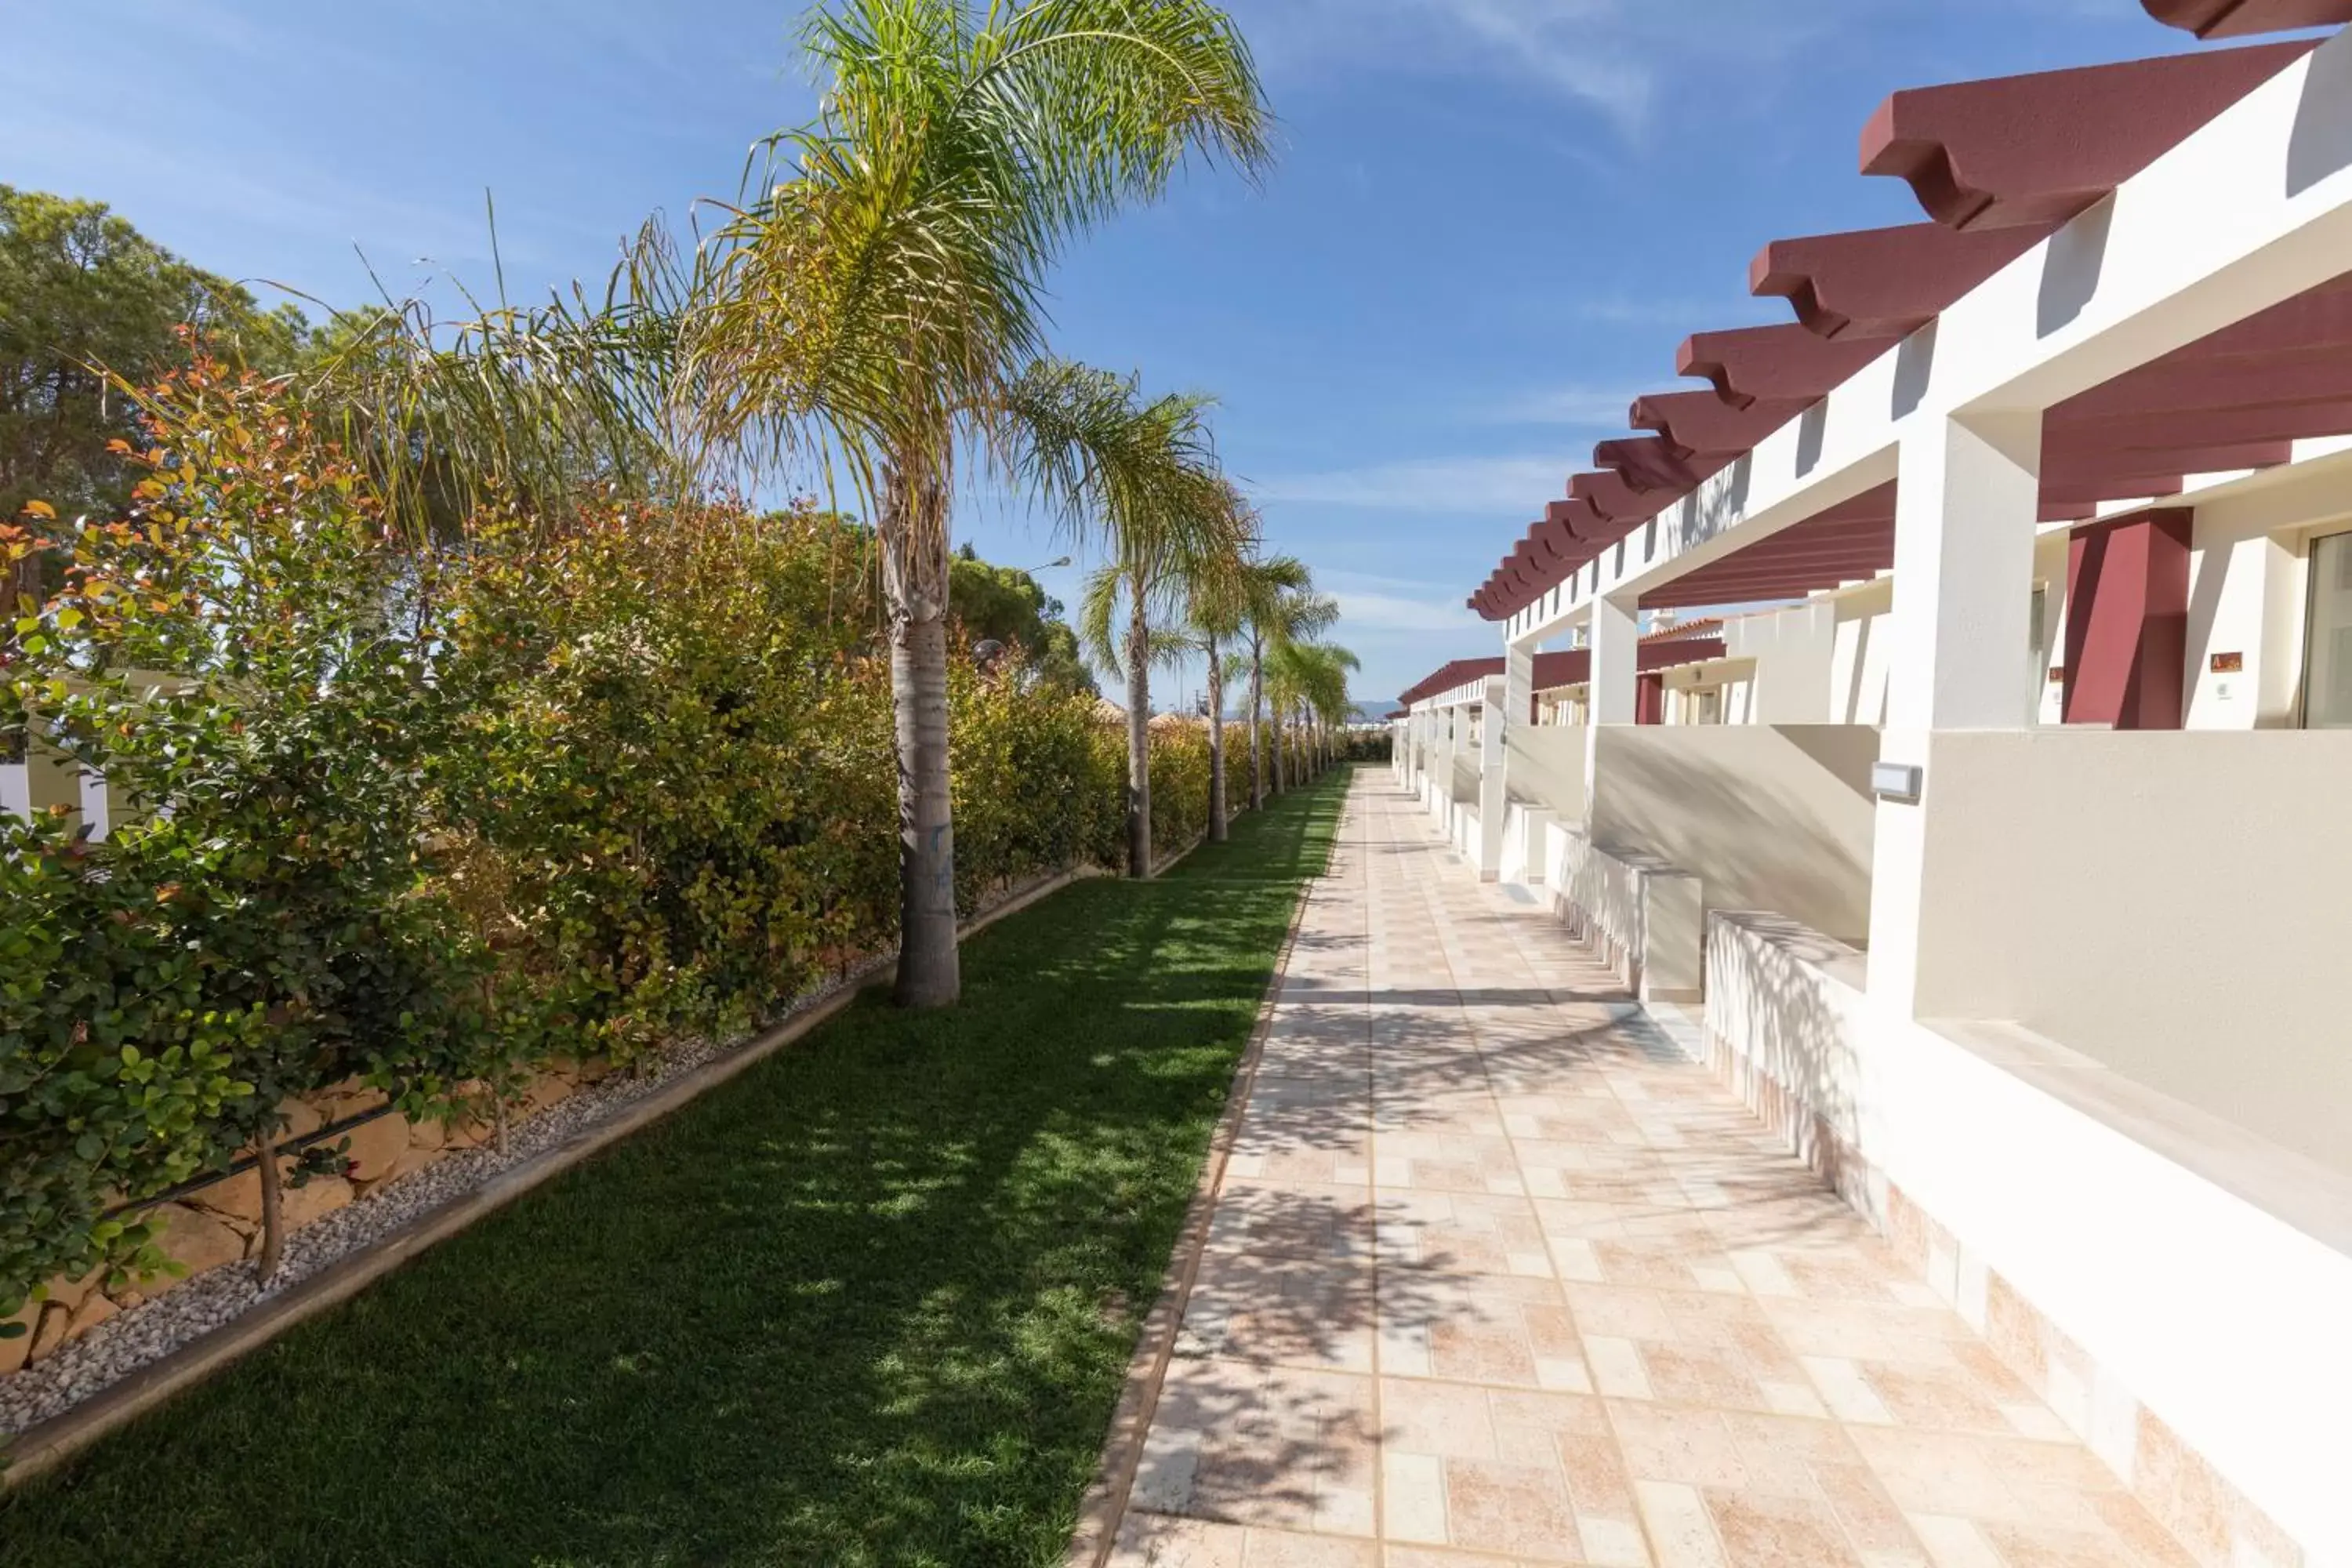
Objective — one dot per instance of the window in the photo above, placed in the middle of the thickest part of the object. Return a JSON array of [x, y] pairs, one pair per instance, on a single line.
[[2328, 659]]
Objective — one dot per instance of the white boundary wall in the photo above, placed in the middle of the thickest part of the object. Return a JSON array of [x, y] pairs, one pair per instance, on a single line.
[[2205, 1276]]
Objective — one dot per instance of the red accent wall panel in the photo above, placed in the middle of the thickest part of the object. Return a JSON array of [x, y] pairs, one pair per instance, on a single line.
[[2128, 621], [1650, 700]]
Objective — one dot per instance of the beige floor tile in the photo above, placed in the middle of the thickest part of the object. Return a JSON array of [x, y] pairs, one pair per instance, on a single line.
[[1164, 1541], [1299, 1219], [1413, 1502], [1439, 1557], [1443, 1420], [1954, 1542], [1617, 1367], [1519, 1510], [1496, 1282], [1280, 1308], [1773, 1530], [1679, 1443], [1682, 1535]]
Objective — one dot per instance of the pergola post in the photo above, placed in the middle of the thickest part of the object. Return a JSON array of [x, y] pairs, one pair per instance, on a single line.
[[1493, 797], [1613, 689], [2127, 620], [1519, 681], [1965, 522], [1441, 765]]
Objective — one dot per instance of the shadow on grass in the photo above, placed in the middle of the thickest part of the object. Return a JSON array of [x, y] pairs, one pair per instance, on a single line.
[[871, 1303]]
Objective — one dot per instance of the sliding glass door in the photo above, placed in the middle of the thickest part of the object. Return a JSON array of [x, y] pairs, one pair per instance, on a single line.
[[2327, 661]]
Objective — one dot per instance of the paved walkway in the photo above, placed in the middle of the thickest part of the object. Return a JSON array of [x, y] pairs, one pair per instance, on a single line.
[[1497, 1278]]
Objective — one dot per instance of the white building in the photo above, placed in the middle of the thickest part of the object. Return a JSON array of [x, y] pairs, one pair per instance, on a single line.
[[2004, 866]]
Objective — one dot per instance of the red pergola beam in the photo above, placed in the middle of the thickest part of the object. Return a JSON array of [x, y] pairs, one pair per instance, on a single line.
[[2246, 18], [2063, 469], [1610, 494], [2036, 149], [1882, 283], [1750, 364], [2222, 426], [1705, 423], [1646, 463]]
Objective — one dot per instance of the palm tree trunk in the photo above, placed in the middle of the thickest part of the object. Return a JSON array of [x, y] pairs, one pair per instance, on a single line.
[[1138, 739], [1216, 744], [1257, 720], [914, 577]]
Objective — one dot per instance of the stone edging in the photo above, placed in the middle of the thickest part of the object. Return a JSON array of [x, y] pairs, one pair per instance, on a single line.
[[42, 1447], [1103, 1508]]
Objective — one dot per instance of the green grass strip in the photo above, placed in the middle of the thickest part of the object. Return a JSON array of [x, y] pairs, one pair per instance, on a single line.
[[871, 1303]]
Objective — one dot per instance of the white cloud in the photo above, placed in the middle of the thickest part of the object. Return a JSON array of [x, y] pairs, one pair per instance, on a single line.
[[1371, 610], [1690, 315], [1577, 407], [1450, 485], [1612, 55], [1386, 612]]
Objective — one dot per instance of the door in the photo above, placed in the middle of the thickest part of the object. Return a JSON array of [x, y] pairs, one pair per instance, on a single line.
[[2328, 657]]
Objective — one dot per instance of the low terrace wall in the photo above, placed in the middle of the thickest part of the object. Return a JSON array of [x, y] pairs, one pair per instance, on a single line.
[[2175, 1288], [2176, 906], [1767, 816]]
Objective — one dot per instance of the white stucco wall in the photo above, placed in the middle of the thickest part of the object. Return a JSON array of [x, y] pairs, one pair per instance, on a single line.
[[2087, 1195], [2247, 595], [2177, 906], [1546, 767], [1795, 652], [1766, 817], [1858, 654]]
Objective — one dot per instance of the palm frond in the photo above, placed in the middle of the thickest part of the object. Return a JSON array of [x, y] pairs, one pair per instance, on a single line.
[[529, 406], [881, 278], [1098, 618]]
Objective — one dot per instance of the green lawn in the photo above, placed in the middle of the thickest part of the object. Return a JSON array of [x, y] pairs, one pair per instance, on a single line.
[[869, 1303]]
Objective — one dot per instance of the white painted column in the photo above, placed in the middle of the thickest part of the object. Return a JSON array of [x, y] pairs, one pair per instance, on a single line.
[[1610, 693], [1965, 522], [1493, 798], [1519, 681], [1434, 761]]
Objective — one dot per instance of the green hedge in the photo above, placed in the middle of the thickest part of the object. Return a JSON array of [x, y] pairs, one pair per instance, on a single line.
[[433, 817]]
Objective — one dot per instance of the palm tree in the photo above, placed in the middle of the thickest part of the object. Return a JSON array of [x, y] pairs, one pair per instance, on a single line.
[[1283, 609], [1185, 531], [880, 305], [1333, 703], [1217, 609], [1309, 683]]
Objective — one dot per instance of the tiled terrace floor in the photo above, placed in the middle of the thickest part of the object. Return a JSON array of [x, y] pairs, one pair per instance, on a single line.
[[1496, 1276]]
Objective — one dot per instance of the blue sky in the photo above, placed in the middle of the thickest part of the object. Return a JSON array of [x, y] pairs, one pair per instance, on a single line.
[[1492, 221]]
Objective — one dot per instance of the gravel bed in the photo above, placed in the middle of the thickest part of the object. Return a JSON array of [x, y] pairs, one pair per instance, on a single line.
[[155, 1328]]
